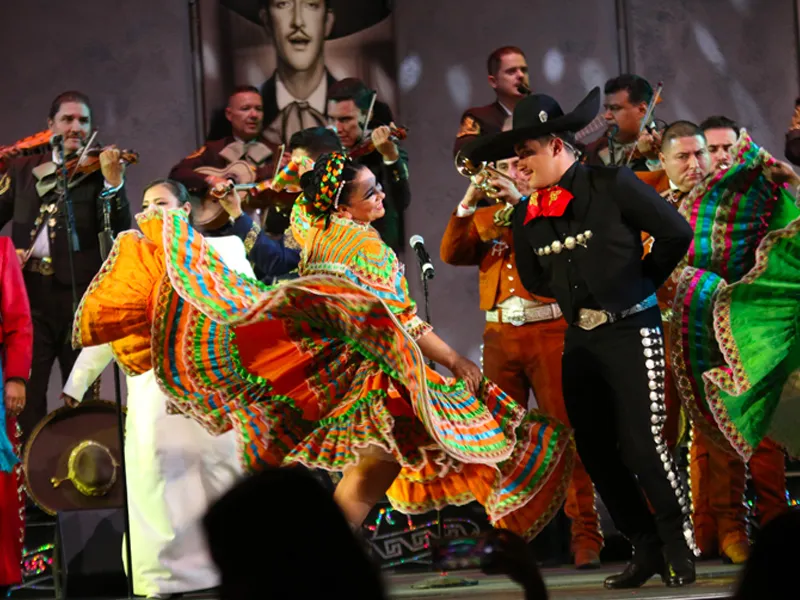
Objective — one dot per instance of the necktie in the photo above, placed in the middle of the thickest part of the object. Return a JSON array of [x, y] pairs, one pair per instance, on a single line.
[[296, 116], [548, 202]]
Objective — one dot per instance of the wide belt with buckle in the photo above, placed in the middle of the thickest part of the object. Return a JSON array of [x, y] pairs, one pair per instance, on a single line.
[[43, 266], [589, 318], [533, 314]]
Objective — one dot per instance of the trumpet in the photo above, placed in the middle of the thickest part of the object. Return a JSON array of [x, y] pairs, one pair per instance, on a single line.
[[479, 174]]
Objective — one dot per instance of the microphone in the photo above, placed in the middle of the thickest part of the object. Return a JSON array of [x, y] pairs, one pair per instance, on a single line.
[[57, 140], [524, 89], [418, 245]]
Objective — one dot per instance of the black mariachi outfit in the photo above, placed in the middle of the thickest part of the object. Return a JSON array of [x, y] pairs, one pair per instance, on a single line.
[[51, 294], [613, 375]]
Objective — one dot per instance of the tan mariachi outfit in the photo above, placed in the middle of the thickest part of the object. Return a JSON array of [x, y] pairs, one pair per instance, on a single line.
[[523, 341]]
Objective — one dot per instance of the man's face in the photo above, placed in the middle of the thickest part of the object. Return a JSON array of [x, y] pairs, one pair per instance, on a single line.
[[686, 161], [73, 121], [510, 167], [720, 145], [619, 111], [537, 164], [245, 111], [346, 118], [299, 29], [512, 72]]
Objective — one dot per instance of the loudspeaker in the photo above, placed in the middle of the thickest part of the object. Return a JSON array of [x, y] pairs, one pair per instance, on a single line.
[[89, 554]]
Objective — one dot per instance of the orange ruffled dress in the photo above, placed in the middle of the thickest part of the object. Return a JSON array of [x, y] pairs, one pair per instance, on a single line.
[[320, 368]]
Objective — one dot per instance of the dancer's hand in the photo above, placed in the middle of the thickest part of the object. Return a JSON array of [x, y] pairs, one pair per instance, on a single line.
[[464, 368], [14, 396]]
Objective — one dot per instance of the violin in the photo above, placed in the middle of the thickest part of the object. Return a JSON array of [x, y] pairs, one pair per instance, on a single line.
[[367, 146], [90, 162]]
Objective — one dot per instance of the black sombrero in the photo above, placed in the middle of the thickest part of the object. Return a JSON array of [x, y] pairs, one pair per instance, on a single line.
[[535, 116], [351, 16]]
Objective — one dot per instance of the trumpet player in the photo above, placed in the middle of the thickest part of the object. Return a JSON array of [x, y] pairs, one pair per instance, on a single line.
[[508, 76], [524, 336]]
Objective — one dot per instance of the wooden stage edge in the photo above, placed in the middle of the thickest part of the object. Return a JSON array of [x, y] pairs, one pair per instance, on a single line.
[[714, 580]]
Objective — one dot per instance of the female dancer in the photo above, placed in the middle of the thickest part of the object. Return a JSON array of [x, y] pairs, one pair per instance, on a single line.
[[326, 370]]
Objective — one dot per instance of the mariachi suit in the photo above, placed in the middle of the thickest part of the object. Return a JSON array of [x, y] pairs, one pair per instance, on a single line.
[[521, 356], [613, 374], [479, 121], [50, 290], [16, 345]]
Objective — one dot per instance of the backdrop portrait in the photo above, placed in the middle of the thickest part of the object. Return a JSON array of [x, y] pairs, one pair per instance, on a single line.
[[293, 51]]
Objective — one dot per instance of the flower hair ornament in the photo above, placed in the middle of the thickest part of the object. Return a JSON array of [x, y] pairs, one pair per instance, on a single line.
[[331, 184]]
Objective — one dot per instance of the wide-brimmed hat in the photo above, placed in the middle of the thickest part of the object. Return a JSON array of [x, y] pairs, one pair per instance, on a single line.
[[71, 460], [535, 116], [350, 16]]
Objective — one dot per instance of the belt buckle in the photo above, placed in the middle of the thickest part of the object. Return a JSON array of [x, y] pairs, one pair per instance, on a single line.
[[589, 319], [515, 317]]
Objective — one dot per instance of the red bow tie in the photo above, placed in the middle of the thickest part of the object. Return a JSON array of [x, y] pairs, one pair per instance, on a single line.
[[548, 202]]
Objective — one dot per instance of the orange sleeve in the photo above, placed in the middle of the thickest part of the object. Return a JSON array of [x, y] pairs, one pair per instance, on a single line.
[[461, 244]]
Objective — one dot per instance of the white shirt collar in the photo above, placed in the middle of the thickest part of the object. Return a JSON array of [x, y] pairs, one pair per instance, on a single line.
[[505, 108], [673, 187], [317, 100]]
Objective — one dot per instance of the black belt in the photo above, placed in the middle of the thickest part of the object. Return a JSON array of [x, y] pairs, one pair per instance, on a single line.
[[589, 318]]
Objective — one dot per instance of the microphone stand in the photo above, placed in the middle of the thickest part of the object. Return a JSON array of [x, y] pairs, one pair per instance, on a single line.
[[442, 580], [106, 239], [69, 220]]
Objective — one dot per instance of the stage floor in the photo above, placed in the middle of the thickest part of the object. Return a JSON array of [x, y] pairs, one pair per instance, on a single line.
[[714, 580]]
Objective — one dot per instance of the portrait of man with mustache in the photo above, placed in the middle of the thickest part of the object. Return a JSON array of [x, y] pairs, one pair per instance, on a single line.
[[295, 96]]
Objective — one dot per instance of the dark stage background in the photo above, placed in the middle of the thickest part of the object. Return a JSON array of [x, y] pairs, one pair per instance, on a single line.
[[737, 57]]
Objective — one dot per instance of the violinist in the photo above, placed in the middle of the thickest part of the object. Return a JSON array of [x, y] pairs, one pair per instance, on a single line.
[[30, 199], [627, 98], [349, 104]]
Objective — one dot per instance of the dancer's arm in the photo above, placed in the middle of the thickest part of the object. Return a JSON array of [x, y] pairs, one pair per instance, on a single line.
[[437, 350], [88, 366]]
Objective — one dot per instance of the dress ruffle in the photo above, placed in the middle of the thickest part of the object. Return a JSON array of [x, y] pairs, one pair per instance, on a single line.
[[318, 369], [736, 308]]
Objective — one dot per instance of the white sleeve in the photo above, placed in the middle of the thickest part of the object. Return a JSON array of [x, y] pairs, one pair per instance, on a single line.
[[88, 366]]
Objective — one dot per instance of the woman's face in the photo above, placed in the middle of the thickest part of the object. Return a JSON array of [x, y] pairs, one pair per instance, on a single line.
[[364, 198], [161, 195]]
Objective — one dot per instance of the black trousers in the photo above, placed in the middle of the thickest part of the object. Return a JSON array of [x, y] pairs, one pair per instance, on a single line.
[[52, 314], [613, 379]]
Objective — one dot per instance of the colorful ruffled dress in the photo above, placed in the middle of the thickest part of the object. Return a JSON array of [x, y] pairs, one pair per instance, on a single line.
[[321, 368], [735, 315]]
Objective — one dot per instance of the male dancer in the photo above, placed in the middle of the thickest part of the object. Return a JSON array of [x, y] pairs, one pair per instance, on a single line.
[[578, 238]]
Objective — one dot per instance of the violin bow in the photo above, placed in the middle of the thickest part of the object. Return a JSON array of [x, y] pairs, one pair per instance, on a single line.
[[647, 116], [82, 157]]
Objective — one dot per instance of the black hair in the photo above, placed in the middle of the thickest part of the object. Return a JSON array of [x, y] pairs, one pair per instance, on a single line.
[[720, 122], [315, 141], [308, 520], [353, 89], [680, 129], [312, 179], [177, 189], [496, 57], [70, 96], [638, 88]]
